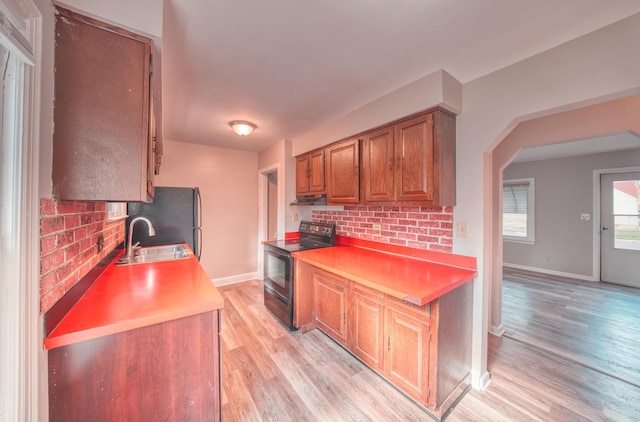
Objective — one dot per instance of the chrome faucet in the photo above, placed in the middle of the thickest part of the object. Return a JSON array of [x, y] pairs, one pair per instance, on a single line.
[[152, 232]]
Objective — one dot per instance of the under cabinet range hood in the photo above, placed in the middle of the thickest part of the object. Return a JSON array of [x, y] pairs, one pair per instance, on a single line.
[[310, 200]]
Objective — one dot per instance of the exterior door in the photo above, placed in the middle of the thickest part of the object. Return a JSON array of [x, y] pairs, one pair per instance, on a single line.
[[620, 228]]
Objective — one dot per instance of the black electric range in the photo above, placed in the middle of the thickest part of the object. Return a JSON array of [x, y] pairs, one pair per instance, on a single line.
[[278, 266]]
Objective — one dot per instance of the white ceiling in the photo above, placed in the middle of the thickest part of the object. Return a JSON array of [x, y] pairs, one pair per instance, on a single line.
[[292, 65], [618, 142]]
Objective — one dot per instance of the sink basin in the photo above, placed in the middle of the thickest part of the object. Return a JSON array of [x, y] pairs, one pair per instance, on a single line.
[[155, 254], [162, 249]]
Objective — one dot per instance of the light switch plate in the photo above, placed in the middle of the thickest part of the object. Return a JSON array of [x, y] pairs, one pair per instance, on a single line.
[[462, 229]]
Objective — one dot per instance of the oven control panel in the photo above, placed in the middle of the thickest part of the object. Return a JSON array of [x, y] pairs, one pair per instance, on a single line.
[[322, 232]]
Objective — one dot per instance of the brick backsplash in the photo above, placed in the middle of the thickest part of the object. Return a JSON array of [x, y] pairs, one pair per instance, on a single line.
[[429, 228], [69, 232]]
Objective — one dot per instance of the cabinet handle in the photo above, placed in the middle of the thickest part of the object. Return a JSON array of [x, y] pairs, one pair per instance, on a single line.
[[390, 163], [355, 171], [398, 162]]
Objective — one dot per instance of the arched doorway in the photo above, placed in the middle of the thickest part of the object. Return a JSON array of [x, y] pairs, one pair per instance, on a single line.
[[607, 118]]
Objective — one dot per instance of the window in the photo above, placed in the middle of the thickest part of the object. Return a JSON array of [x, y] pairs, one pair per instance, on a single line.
[[517, 210], [116, 211]]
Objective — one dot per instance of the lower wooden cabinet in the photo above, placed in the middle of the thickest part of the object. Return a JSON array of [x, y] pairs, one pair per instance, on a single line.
[[330, 304], [406, 361], [366, 333], [165, 371], [422, 350]]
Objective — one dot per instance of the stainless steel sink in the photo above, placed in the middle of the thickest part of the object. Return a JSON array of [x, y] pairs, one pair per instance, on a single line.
[[155, 254]]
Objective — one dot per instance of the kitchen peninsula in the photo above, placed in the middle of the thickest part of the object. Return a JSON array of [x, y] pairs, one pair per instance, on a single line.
[[405, 313], [140, 341]]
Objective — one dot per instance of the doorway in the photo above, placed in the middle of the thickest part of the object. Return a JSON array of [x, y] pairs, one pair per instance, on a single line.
[[620, 228], [270, 208]]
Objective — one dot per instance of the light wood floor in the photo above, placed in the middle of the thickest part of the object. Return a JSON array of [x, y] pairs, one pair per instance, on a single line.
[[270, 374]]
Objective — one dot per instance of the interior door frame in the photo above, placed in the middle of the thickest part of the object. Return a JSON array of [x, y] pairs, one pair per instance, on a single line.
[[263, 213], [597, 252]]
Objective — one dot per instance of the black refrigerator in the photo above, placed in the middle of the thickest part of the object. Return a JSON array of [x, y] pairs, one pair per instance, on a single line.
[[176, 215]]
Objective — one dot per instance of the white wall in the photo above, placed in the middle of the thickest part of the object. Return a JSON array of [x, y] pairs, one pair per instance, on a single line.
[[280, 155], [598, 66], [563, 191], [227, 182]]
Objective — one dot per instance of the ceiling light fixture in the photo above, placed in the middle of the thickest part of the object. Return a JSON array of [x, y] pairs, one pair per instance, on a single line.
[[242, 127]]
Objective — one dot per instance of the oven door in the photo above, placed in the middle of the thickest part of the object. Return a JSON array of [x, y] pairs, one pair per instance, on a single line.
[[278, 284]]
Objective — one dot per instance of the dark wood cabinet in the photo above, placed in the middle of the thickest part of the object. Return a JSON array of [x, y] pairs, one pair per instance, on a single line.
[[343, 172], [411, 161], [105, 139], [330, 304], [310, 173], [165, 371]]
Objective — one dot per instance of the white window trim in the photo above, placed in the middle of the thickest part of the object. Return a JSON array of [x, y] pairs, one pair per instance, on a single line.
[[116, 211], [22, 396], [531, 215]]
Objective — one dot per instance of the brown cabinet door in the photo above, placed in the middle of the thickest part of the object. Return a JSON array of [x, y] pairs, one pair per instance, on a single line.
[[330, 304], [378, 165], [414, 154], [407, 353], [101, 112], [367, 326], [302, 174], [310, 173], [316, 171], [342, 169]]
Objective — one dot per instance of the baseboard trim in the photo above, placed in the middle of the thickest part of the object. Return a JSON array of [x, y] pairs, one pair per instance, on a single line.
[[550, 272], [239, 278], [497, 331], [481, 382]]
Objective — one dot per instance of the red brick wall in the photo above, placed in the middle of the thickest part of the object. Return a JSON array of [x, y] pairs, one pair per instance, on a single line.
[[429, 228], [69, 233]]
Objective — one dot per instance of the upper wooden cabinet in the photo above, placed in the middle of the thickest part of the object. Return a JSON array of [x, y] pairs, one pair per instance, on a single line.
[[310, 173], [343, 172], [411, 161], [104, 142]]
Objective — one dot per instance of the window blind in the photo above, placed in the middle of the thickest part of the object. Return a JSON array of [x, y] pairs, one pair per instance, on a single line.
[[514, 197]]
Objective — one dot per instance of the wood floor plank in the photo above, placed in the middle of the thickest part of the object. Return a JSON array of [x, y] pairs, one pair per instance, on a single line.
[[594, 324], [271, 374]]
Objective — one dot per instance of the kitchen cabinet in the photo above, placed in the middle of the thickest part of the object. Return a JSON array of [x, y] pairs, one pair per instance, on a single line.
[[366, 331], [165, 371], [106, 112], [330, 304], [411, 161], [310, 173], [343, 172], [378, 165], [407, 354], [423, 350]]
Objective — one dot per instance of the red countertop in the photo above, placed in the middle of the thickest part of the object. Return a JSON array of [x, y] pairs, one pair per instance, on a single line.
[[416, 281], [133, 296]]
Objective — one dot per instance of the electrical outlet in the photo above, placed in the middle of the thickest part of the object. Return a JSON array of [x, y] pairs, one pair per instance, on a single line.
[[462, 229], [294, 216], [377, 227], [585, 217]]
